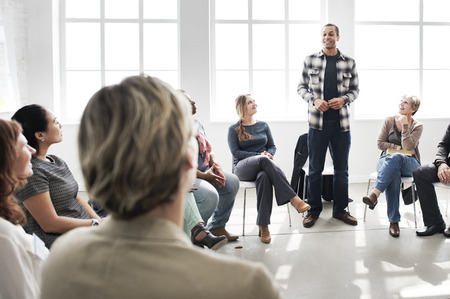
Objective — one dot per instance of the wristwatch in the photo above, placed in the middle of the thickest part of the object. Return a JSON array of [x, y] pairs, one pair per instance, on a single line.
[[439, 162], [95, 222]]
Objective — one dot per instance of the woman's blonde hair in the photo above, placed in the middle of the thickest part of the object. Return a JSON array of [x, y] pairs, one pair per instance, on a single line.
[[241, 102], [132, 145], [415, 102]]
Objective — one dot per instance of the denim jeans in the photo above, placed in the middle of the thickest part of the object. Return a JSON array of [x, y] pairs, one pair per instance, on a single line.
[[338, 142], [216, 202], [390, 169]]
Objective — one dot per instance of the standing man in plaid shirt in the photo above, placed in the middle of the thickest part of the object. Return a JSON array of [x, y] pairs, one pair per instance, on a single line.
[[329, 83]]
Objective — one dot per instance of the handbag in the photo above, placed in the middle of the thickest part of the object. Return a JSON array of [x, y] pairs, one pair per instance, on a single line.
[[407, 195]]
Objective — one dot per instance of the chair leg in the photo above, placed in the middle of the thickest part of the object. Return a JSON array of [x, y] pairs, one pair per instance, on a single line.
[[298, 187], [304, 187], [305, 179], [243, 214], [365, 206], [289, 214], [446, 204], [365, 211], [413, 195]]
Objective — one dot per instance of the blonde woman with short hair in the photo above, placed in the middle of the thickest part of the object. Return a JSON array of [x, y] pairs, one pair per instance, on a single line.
[[139, 159], [399, 144]]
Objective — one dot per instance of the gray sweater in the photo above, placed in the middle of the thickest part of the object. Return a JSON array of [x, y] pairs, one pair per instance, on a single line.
[[261, 141]]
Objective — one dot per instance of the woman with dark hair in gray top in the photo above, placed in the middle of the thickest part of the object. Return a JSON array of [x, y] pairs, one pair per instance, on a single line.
[[50, 198], [252, 146]]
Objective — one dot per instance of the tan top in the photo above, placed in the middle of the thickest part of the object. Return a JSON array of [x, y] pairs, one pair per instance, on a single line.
[[410, 136], [147, 258]]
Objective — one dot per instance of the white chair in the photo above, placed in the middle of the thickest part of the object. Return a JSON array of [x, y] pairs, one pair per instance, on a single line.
[[252, 185], [328, 169], [246, 185], [373, 178], [445, 186]]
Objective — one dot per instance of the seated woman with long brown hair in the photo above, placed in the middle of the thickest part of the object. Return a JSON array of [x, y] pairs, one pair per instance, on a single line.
[[253, 149], [20, 255]]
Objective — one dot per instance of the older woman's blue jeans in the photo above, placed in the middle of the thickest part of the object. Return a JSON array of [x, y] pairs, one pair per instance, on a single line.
[[391, 169]]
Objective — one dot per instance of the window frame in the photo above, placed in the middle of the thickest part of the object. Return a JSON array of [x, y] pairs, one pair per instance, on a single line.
[[62, 104], [250, 22], [421, 24]]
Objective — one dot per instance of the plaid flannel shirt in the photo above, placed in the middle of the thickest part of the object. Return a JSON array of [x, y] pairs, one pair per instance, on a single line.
[[311, 87]]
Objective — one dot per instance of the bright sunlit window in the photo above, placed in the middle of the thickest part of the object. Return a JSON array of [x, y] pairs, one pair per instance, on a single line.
[[398, 50], [258, 47], [103, 42], [9, 89]]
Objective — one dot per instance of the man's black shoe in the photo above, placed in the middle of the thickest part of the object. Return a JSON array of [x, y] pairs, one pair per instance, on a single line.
[[431, 230]]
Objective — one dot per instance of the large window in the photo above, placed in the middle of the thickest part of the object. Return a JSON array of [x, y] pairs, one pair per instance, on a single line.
[[9, 89], [400, 49], [258, 47], [104, 41]]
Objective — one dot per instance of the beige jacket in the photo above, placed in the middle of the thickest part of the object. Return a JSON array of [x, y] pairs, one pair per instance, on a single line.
[[146, 258], [410, 136]]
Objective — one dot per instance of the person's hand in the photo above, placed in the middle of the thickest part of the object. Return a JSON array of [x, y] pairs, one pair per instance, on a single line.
[[403, 119], [267, 154], [336, 103], [444, 173], [217, 170], [215, 176], [321, 105]]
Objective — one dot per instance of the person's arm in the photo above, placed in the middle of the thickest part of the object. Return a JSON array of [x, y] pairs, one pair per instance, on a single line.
[[233, 144], [410, 139], [440, 161], [303, 86], [382, 142], [443, 148], [270, 146], [213, 175], [214, 163], [41, 208], [88, 208], [19, 281], [353, 88]]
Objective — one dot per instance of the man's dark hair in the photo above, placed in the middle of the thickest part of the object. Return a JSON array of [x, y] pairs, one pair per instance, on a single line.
[[337, 28]]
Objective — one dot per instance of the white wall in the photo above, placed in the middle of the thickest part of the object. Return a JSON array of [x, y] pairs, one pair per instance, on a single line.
[[195, 79]]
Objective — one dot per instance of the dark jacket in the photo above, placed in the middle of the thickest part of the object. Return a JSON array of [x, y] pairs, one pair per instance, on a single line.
[[444, 148]]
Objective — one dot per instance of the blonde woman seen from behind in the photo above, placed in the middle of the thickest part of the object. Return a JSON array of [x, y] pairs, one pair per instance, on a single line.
[[139, 160]]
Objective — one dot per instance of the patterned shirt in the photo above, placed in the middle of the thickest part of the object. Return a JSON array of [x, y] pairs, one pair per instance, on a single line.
[[311, 86], [53, 177]]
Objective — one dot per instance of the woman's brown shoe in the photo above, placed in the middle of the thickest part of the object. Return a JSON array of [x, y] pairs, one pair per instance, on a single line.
[[370, 200], [265, 235], [302, 206]]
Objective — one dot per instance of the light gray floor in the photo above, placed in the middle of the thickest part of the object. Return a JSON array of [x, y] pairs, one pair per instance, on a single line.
[[334, 260]]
